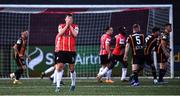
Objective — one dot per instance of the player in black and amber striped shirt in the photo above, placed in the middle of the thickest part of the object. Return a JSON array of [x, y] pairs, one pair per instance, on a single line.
[[163, 52], [137, 42], [151, 44]]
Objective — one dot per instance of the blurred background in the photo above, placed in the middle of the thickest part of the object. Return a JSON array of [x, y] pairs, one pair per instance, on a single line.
[[43, 29]]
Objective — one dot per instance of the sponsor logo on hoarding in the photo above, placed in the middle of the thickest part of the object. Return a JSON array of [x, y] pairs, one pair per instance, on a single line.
[[38, 56], [177, 57]]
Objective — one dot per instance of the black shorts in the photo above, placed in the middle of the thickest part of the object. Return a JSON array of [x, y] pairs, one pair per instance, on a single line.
[[20, 62], [55, 56], [115, 58], [149, 59], [138, 59], [161, 58], [66, 57], [104, 59]]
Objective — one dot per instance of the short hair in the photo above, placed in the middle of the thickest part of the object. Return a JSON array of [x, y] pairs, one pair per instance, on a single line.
[[167, 24], [155, 29], [70, 15], [107, 28], [136, 26], [122, 29]]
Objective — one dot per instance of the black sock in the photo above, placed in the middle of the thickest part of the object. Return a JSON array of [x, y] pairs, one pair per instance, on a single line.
[[18, 73], [162, 73], [135, 76], [154, 72]]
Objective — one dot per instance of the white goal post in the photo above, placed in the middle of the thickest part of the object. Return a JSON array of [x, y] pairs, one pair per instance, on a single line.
[[170, 6]]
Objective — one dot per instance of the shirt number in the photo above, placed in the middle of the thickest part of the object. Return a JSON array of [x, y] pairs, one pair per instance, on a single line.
[[138, 41]]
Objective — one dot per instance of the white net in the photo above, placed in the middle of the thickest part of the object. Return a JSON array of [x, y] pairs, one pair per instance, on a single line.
[[157, 17], [42, 21], [88, 41], [12, 24]]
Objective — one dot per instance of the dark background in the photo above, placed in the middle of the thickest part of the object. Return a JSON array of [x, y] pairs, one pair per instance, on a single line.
[[104, 2], [43, 28], [175, 3]]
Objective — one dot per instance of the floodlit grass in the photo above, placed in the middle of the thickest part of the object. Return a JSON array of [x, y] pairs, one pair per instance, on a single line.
[[89, 87]]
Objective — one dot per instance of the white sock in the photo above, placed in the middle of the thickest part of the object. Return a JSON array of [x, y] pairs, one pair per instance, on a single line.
[[109, 72], [73, 78], [103, 72], [59, 77], [52, 75], [55, 76], [124, 72], [100, 70], [49, 70]]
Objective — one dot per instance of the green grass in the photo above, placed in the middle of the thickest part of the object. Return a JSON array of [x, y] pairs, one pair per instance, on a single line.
[[89, 87]]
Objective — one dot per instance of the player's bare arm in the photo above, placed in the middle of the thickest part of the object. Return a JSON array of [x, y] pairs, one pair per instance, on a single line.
[[164, 48], [74, 31], [63, 30], [15, 50], [107, 47], [126, 52]]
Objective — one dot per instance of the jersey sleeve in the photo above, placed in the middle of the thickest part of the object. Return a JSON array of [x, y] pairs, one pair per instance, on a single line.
[[108, 40], [128, 40], [165, 37], [76, 29], [122, 41], [19, 42], [60, 28]]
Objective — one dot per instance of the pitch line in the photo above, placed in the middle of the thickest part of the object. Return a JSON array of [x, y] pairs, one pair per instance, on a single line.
[[141, 86]]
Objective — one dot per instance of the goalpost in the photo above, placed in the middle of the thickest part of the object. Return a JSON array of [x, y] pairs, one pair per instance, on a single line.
[[42, 20]]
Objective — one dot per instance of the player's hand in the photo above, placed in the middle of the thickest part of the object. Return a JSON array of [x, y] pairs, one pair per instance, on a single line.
[[125, 58], [68, 21], [15, 55], [24, 67], [29, 58], [109, 56]]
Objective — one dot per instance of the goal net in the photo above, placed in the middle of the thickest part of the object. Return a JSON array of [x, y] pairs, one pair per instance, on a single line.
[[42, 21]]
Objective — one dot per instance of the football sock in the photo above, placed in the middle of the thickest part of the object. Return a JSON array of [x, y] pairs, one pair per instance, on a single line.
[[73, 78], [59, 77], [135, 76], [49, 70], [124, 72], [18, 73], [162, 73], [154, 72], [55, 76], [103, 72], [109, 72], [100, 70]]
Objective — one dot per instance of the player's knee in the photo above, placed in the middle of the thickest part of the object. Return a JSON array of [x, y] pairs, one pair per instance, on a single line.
[[59, 67], [135, 72], [71, 67], [72, 70], [111, 65], [21, 71], [124, 65], [163, 65]]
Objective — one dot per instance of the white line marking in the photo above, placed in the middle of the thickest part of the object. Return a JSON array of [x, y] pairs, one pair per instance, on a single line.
[[143, 86]]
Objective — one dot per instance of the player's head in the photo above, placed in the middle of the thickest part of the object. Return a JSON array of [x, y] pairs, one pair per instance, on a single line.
[[122, 30], [156, 31], [24, 34], [109, 30], [167, 27], [136, 28], [69, 17]]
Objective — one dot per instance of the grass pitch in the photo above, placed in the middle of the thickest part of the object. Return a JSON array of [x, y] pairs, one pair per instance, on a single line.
[[89, 87]]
